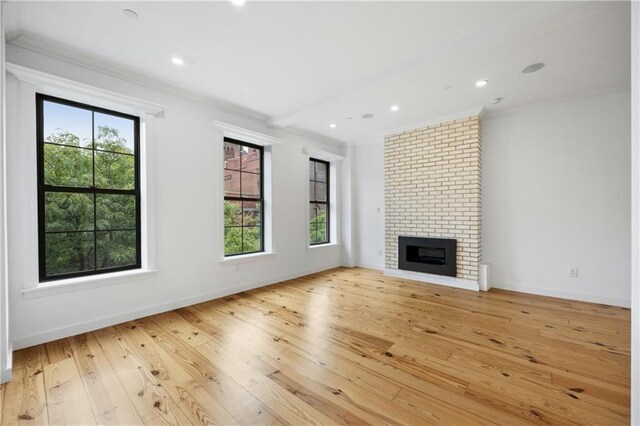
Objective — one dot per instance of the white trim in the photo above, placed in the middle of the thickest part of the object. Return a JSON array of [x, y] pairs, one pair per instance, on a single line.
[[223, 130], [83, 283], [323, 246], [635, 213], [24, 207], [245, 135], [321, 154], [365, 265], [55, 85], [84, 327], [570, 295], [246, 258], [433, 279], [5, 341], [434, 121]]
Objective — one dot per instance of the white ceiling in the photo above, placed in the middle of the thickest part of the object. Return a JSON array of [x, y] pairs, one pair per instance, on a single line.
[[309, 64]]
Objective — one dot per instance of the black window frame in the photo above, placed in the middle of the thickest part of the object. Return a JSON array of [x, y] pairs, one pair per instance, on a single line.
[[248, 199], [93, 190], [327, 203]]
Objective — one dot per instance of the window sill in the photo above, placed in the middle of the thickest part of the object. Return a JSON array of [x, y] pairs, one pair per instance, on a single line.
[[246, 258], [323, 246], [94, 281]]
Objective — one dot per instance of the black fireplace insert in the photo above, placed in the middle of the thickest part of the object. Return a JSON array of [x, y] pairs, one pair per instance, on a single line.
[[429, 255]]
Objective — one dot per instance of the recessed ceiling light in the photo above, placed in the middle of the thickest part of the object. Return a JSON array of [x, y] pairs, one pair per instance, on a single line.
[[447, 87], [394, 107], [495, 101], [349, 118], [481, 83], [367, 116], [177, 60], [332, 125], [130, 13], [533, 68], [238, 2]]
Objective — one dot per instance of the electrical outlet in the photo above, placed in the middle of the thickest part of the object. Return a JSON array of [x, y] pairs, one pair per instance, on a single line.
[[573, 272]]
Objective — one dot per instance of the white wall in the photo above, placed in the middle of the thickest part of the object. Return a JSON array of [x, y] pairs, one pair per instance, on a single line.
[[187, 204], [556, 184], [368, 179]]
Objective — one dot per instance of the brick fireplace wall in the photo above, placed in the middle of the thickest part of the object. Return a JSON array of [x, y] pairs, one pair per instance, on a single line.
[[433, 189]]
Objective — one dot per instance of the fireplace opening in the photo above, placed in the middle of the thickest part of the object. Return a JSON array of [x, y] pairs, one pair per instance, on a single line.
[[429, 255]]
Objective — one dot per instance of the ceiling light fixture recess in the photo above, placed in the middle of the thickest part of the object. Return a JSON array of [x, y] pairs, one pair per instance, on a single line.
[[533, 68], [332, 125], [238, 2], [481, 83], [495, 101], [130, 13], [394, 108], [367, 116], [177, 60]]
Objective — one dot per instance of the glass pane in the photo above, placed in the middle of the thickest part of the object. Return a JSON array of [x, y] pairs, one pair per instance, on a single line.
[[314, 238], [251, 239], [68, 166], [114, 133], [321, 172], [318, 213], [250, 159], [68, 253], [65, 211], [321, 232], [312, 170], [232, 240], [251, 213], [115, 211], [250, 185], [232, 213], [67, 125], [231, 183], [116, 248], [312, 191], [321, 191], [231, 156], [115, 171]]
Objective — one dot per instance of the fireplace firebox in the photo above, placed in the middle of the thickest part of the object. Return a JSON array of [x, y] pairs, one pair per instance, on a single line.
[[429, 255]]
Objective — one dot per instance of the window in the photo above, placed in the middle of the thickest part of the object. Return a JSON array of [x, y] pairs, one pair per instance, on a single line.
[[319, 200], [88, 189], [243, 198]]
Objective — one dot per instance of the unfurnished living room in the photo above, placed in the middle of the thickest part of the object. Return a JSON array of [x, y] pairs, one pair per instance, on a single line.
[[319, 212]]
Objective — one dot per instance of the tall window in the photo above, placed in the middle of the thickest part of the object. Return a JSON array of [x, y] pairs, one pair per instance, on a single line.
[[88, 189], [319, 200], [243, 198]]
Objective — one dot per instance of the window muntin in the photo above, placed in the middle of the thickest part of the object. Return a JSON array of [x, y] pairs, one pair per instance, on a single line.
[[88, 189], [243, 198], [319, 211]]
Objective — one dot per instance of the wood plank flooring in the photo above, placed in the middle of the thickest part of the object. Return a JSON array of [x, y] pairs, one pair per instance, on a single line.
[[346, 346]]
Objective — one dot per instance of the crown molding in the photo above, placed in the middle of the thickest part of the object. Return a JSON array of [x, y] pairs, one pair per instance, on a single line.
[[322, 155], [246, 135], [44, 80], [81, 59], [542, 105]]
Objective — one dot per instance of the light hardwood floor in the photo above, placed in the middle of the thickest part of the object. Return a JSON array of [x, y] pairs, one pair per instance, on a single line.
[[346, 346]]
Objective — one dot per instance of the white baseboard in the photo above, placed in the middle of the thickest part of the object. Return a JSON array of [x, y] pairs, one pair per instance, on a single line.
[[564, 294], [6, 373], [84, 327], [434, 279], [370, 266]]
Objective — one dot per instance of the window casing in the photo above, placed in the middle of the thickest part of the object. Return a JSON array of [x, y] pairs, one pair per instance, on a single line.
[[88, 189], [243, 197], [319, 202]]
